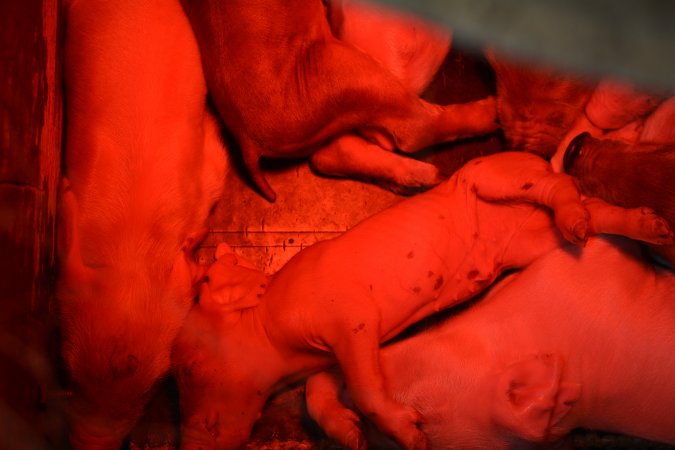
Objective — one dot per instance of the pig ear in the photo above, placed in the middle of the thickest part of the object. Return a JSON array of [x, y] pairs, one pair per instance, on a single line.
[[223, 249], [531, 400], [192, 240], [223, 300], [68, 240], [186, 273], [491, 57]]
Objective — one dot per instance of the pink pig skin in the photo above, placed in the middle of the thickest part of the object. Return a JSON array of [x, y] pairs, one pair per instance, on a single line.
[[626, 174], [285, 86], [621, 112], [411, 50], [659, 126], [577, 339], [144, 165], [614, 104], [409, 47], [340, 298]]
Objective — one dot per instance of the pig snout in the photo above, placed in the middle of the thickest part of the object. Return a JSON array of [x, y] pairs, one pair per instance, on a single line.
[[628, 175], [573, 151]]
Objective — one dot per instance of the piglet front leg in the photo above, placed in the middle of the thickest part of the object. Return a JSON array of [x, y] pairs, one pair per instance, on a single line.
[[358, 355], [323, 392]]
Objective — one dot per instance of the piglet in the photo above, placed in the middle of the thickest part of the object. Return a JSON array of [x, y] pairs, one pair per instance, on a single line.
[[339, 299], [626, 174], [285, 86], [576, 340], [143, 166]]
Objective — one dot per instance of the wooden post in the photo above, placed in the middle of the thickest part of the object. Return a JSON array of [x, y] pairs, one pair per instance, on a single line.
[[31, 111]]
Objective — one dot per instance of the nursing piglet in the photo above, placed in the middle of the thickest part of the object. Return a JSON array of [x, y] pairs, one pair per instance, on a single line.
[[339, 299], [576, 340], [620, 111], [285, 86], [626, 174], [143, 166]]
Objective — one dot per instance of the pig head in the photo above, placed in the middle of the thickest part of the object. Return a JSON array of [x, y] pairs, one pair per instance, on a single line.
[[577, 339], [622, 112], [338, 299], [626, 174], [143, 166], [285, 86]]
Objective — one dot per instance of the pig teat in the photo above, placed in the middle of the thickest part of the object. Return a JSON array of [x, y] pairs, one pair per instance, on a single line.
[[531, 398]]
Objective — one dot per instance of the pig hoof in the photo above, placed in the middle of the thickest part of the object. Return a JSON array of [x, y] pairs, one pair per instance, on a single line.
[[344, 426], [661, 231], [580, 230], [419, 443], [355, 441], [406, 430], [411, 181], [649, 227]]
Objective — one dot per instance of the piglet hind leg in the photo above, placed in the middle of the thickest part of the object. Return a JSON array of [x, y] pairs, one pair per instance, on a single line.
[[357, 352], [636, 223], [519, 176]]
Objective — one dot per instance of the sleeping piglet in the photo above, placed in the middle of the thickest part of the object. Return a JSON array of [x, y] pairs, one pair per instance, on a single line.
[[143, 166], [285, 86], [339, 299], [575, 340]]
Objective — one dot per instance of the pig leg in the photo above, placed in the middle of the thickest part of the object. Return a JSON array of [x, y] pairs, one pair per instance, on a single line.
[[357, 352], [517, 176], [322, 392], [636, 223], [351, 156], [367, 97]]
